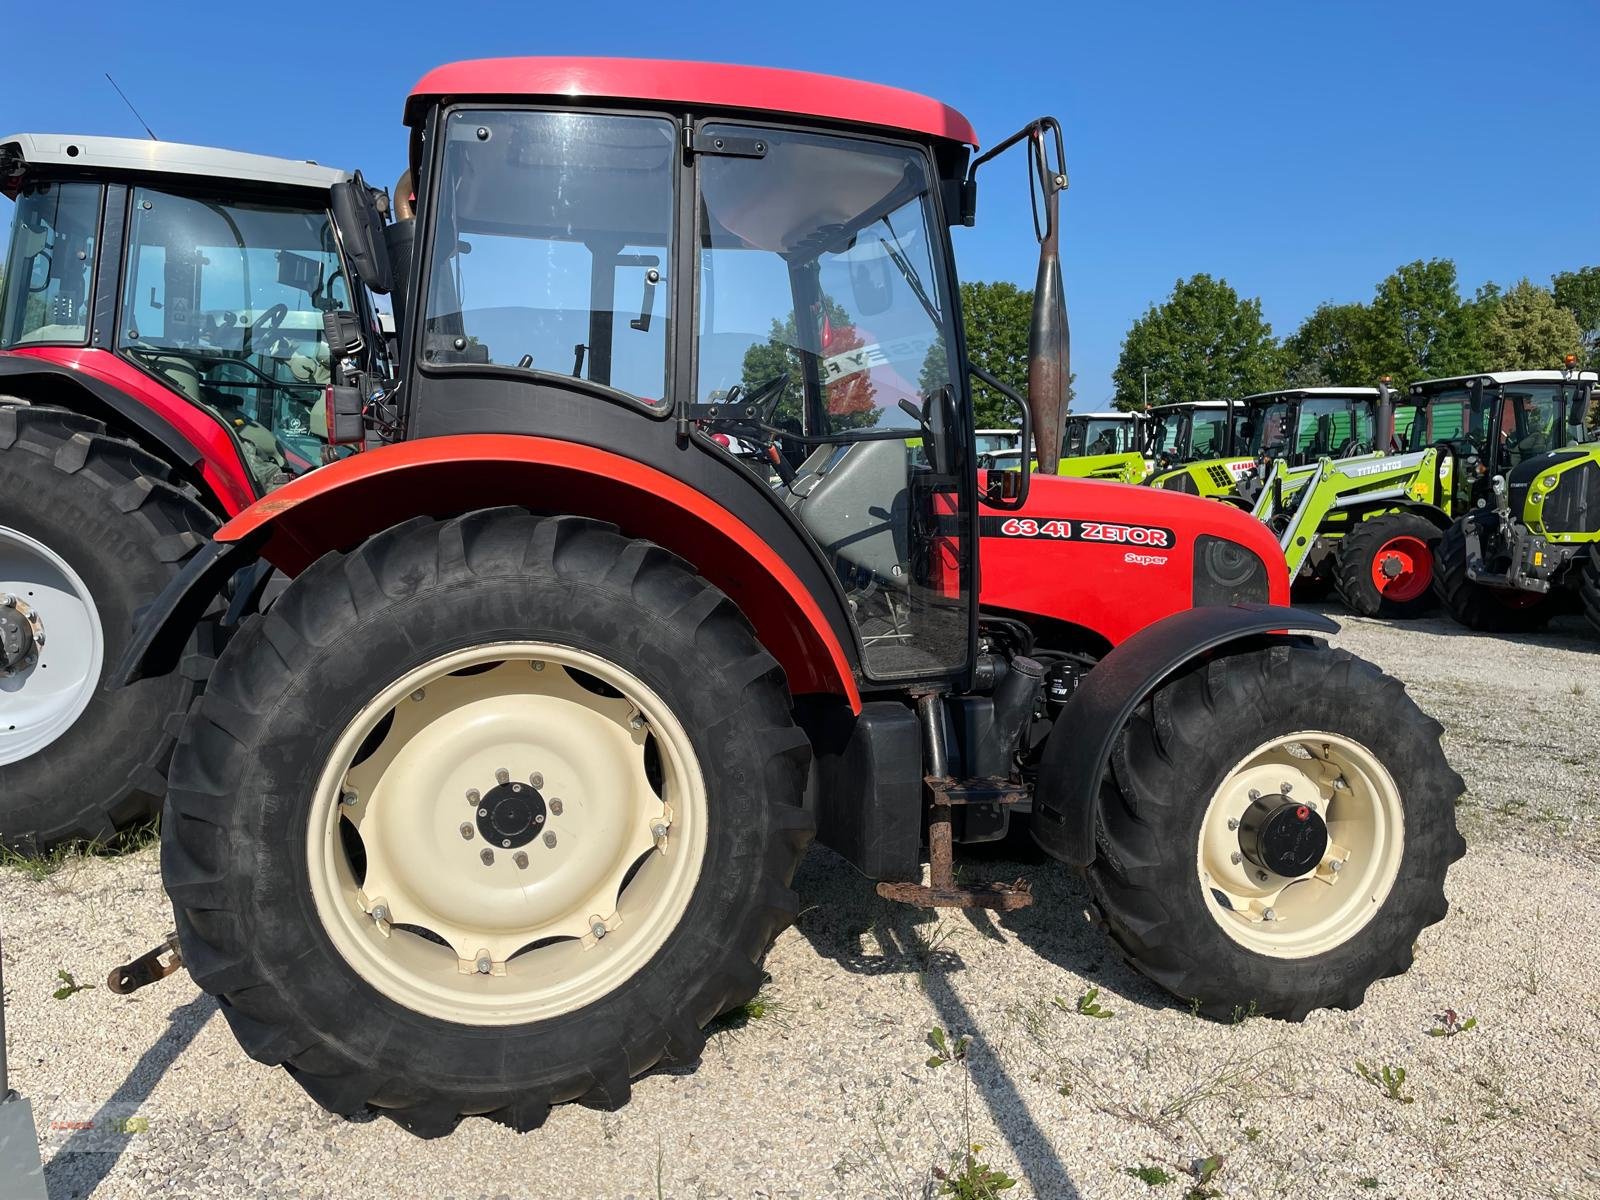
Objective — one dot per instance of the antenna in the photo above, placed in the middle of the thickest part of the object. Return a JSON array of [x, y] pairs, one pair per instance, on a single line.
[[131, 108]]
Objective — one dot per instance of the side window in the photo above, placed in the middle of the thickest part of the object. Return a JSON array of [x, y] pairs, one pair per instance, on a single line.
[[1327, 427], [50, 265]]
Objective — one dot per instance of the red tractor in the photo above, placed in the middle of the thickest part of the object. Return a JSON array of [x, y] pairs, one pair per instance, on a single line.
[[162, 365], [499, 803]]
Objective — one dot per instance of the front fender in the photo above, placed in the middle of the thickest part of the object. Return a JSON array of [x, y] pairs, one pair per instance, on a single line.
[[1079, 746], [166, 623]]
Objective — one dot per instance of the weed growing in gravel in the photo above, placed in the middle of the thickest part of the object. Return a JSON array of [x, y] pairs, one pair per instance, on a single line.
[[1238, 1072], [1578, 689], [1204, 1171], [946, 1050], [1367, 1181], [1389, 1081], [1252, 1134], [972, 1180], [1087, 1005], [1152, 1176], [36, 867], [39, 867], [69, 986], [1449, 1023]]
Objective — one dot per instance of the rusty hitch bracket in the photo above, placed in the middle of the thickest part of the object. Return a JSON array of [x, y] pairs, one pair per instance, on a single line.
[[150, 967], [942, 890]]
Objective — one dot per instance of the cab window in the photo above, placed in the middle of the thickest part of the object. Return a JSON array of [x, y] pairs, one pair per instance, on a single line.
[[50, 265]]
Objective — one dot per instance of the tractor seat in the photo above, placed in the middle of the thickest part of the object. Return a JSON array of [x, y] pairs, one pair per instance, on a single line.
[[854, 499]]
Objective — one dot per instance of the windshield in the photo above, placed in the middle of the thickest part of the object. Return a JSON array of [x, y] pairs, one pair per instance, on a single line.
[[1510, 423], [1206, 435], [1270, 430], [990, 441], [1087, 436], [50, 265], [225, 302]]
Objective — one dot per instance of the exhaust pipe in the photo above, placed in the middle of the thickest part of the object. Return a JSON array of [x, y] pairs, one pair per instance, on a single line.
[[1049, 336]]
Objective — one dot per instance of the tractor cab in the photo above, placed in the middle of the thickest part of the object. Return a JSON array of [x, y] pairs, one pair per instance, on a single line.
[[1190, 431], [185, 278], [1496, 424]]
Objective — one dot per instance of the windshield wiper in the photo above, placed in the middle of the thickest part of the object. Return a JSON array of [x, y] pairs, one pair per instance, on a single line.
[[897, 256]]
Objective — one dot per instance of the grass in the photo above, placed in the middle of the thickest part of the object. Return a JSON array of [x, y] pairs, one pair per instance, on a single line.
[[1151, 1175], [39, 867]]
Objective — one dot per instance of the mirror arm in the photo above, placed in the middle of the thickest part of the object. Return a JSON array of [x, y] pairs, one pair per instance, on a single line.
[[1026, 455]]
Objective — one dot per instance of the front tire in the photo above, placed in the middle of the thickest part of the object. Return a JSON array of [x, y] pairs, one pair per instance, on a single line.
[[488, 815], [91, 530], [1589, 588], [1215, 913], [1385, 566], [1486, 609]]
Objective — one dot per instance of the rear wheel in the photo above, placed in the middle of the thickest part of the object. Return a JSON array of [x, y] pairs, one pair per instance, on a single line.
[[1385, 566], [1274, 832], [1489, 610], [90, 530], [491, 814], [1589, 588]]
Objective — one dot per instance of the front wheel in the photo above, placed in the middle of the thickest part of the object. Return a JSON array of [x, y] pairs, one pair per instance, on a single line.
[[1385, 566], [491, 814], [1274, 832], [1486, 609]]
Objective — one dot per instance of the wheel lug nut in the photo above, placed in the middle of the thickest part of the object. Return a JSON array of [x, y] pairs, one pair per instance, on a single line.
[[538, 666], [472, 796], [597, 927], [521, 859], [1286, 788], [549, 839], [380, 912], [486, 855], [1270, 915], [466, 831], [419, 694], [1236, 858], [485, 964], [348, 796], [1233, 823], [1262, 876], [659, 831], [555, 807], [502, 775], [636, 723], [1336, 866], [536, 779]]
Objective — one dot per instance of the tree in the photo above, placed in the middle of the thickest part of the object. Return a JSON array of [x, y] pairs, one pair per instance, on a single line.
[[1579, 293], [1527, 330], [1332, 348], [996, 318], [1420, 327], [1202, 343]]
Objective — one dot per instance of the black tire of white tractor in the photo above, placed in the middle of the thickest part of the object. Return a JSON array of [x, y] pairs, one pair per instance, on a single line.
[[1167, 763], [1352, 569], [234, 834], [110, 510], [1475, 606]]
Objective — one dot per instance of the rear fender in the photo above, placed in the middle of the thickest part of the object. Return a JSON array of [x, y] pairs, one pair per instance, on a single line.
[[338, 506], [1079, 747]]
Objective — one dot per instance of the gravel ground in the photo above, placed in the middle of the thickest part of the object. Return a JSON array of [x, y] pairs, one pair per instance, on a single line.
[[822, 1088]]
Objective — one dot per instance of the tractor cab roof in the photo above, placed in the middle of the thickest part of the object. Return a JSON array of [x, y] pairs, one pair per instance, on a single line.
[[1498, 379], [694, 85], [1358, 393], [1185, 405], [1115, 415], [23, 154]]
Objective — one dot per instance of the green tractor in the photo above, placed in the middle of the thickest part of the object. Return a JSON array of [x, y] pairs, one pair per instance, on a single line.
[[1097, 445], [1357, 497], [1199, 446], [1531, 497]]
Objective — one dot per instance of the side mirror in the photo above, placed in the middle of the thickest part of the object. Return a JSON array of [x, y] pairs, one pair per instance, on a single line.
[[39, 272], [358, 213], [870, 284]]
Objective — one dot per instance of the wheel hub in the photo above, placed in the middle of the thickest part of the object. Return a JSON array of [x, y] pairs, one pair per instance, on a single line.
[[1282, 836], [1392, 566], [21, 635], [511, 815]]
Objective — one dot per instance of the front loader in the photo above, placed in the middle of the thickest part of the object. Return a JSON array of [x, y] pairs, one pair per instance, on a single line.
[[163, 364], [500, 802], [1524, 546]]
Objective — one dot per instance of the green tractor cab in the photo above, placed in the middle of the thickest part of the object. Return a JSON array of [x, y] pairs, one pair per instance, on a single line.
[[1197, 446], [1530, 495], [1098, 445]]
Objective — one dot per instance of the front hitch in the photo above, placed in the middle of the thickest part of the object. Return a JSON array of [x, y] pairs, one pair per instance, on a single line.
[[151, 967]]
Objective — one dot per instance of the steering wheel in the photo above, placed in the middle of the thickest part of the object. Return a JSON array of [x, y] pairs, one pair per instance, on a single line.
[[265, 323]]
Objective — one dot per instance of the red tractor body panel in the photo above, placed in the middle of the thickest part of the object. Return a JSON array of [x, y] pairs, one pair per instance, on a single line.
[[702, 85], [339, 505], [220, 464], [1110, 557]]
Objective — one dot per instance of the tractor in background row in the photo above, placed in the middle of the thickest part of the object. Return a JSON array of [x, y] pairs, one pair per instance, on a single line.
[[500, 801], [163, 364], [1209, 432], [1530, 495], [1097, 445]]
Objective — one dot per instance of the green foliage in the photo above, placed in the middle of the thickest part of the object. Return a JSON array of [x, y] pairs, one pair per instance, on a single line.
[[1201, 343], [69, 986], [995, 318], [1579, 293], [1389, 1081], [1370, 1182], [1332, 348], [1205, 1170], [970, 1179], [1449, 1023], [946, 1050], [1087, 1005], [1152, 1176], [1526, 329], [1420, 327]]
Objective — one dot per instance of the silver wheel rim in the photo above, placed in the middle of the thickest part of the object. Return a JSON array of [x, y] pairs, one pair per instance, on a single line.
[[44, 698], [460, 926], [1323, 908]]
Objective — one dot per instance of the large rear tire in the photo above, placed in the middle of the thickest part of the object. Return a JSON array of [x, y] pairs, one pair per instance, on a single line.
[[488, 815], [1486, 609], [1589, 588], [91, 529], [1385, 566], [1209, 876]]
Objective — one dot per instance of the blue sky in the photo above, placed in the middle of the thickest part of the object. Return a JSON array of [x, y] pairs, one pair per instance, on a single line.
[[1302, 150]]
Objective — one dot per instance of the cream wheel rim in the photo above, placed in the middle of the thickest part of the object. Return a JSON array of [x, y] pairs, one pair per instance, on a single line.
[[507, 833], [1298, 914]]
